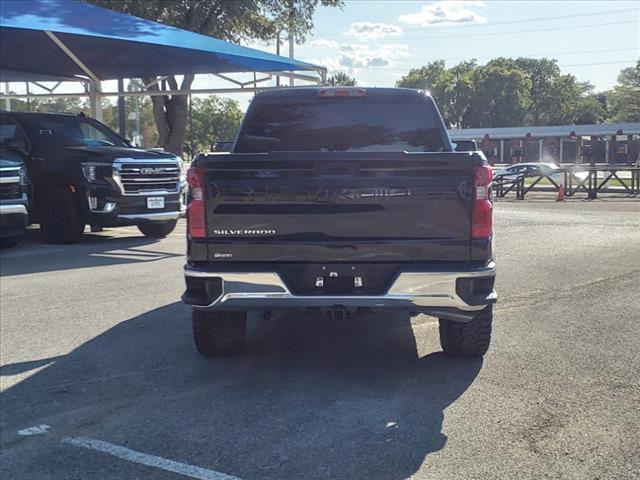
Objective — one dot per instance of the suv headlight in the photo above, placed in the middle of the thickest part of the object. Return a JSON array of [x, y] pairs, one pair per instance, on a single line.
[[94, 172], [183, 171]]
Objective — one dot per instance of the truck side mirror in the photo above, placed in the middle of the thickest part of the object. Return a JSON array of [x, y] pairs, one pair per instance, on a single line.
[[17, 144], [222, 146]]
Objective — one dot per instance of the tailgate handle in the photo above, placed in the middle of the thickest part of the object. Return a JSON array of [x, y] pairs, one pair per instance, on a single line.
[[336, 168]]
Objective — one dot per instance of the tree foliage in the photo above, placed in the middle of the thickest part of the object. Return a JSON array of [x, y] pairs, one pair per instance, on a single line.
[[500, 97], [56, 105], [624, 99], [507, 92], [341, 79], [235, 21], [213, 119]]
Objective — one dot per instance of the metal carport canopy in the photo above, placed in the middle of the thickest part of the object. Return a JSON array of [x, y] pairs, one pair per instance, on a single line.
[[67, 38]]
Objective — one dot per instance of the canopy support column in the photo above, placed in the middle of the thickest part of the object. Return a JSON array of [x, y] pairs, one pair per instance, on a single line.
[[7, 100], [122, 127], [95, 104], [291, 43], [94, 81]]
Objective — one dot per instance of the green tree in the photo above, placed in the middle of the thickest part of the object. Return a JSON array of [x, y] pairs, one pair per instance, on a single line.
[[213, 119], [140, 123], [341, 79], [235, 21], [141, 130], [438, 81], [590, 109], [625, 97], [556, 99], [501, 96], [55, 105], [507, 92], [463, 94]]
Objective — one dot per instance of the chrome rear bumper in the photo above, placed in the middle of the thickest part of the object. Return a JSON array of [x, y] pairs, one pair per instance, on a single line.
[[411, 290]]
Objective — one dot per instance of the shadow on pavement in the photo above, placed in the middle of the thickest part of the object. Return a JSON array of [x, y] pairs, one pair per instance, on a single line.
[[311, 398], [93, 250], [21, 367]]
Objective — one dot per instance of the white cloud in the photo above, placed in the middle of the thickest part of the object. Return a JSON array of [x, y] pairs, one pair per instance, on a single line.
[[332, 64], [352, 61], [363, 56], [446, 12], [371, 31], [356, 56], [323, 42]]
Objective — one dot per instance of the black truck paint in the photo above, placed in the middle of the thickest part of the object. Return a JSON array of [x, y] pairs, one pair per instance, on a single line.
[[82, 173], [339, 199]]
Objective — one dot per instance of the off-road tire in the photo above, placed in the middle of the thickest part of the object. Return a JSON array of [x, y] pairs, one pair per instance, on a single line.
[[469, 339], [157, 229], [219, 334], [59, 216]]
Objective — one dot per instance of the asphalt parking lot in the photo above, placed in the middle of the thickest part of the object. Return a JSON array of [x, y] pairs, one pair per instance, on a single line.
[[96, 353]]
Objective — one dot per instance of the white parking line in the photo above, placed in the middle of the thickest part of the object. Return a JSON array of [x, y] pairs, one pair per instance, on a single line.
[[37, 430], [148, 460]]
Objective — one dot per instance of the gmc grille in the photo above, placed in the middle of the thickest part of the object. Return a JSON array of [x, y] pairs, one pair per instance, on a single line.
[[10, 188], [10, 191], [147, 177]]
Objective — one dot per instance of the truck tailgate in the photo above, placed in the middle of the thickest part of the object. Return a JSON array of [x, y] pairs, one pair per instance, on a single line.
[[339, 207]]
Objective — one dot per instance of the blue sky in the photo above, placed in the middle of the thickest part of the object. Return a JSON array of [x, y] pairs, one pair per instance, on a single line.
[[377, 41]]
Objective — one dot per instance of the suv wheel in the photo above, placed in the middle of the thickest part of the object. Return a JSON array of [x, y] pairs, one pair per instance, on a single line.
[[157, 229], [470, 339], [59, 217], [219, 333]]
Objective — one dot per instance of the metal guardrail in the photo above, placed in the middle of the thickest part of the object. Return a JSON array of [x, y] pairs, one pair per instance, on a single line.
[[588, 182]]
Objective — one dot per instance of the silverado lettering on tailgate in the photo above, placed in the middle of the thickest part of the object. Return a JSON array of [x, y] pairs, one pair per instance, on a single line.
[[309, 194], [243, 232]]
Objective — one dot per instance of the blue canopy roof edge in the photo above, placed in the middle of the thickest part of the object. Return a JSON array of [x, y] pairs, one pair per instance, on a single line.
[[13, 76], [117, 45]]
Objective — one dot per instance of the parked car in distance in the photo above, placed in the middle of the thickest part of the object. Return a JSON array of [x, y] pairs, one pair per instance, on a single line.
[[530, 169], [83, 173], [14, 198], [338, 199]]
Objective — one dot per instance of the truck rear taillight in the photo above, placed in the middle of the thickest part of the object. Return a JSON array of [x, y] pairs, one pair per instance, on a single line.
[[195, 208], [482, 215], [341, 92]]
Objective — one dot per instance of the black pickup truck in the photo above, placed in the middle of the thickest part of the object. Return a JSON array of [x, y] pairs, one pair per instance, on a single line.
[[339, 199], [82, 173]]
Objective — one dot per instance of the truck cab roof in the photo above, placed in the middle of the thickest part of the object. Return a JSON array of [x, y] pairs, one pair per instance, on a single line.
[[304, 93]]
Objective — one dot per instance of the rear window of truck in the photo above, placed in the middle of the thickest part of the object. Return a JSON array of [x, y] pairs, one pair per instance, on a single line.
[[340, 125]]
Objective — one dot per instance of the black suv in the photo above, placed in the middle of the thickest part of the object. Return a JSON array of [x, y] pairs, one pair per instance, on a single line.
[[83, 173]]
